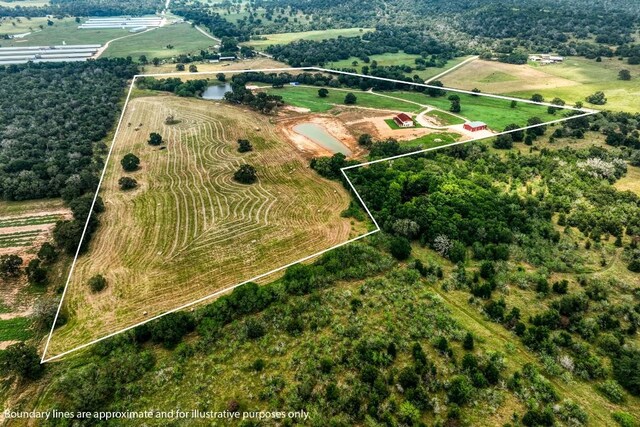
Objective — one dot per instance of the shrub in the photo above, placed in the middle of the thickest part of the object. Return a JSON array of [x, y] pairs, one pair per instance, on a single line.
[[561, 287], [468, 343], [97, 283], [400, 248], [460, 390], [597, 98], [258, 365], [131, 162], [350, 99], [246, 174], [254, 329], [504, 141], [36, 274], [127, 183], [10, 266], [624, 419], [612, 391], [155, 138], [626, 370], [244, 146], [169, 330], [22, 360], [458, 252]]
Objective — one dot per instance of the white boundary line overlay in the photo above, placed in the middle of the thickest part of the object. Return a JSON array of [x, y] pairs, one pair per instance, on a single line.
[[585, 112]]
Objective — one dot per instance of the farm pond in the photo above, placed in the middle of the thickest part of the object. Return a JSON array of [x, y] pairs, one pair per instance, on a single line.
[[320, 136], [216, 91]]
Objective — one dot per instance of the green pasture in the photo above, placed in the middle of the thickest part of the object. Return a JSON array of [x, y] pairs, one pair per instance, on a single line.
[[497, 113], [591, 76], [286, 38], [432, 140], [307, 97], [184, 39], [398, 58]]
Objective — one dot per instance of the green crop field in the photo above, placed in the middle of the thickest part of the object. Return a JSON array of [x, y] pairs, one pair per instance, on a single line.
[[399, 58], [184, 39], [27, 207], [63, 30], [190, 229], [285, 38]]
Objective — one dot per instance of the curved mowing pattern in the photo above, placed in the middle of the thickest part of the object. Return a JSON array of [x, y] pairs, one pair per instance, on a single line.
[[189, 229]]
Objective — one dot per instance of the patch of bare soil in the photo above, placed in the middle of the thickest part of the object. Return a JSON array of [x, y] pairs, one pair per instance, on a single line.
[[373, 123], [334, 125]]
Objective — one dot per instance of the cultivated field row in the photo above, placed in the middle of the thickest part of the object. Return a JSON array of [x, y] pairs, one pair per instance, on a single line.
[[189, 229]]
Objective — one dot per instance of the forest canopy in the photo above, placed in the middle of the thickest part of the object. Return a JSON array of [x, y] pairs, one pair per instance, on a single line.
[[54, 117]]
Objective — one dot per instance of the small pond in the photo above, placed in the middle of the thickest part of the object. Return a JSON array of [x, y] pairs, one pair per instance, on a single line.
[[216, 91], [320, 136]]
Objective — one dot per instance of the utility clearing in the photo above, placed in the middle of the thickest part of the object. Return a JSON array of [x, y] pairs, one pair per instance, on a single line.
[[189, 230]]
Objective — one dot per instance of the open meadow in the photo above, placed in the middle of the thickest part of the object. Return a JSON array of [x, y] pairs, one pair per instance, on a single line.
[[398, 58], [572, 80], [188, 229], [286, 38], [182, 38]]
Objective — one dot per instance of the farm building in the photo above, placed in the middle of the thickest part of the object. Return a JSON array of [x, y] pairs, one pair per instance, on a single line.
[[122, 22], [546, 59], [475, 126], [61, 53], [403, 120]]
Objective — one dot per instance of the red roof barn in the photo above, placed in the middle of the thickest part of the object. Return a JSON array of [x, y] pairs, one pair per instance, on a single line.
[[403, 120], [475, 126]]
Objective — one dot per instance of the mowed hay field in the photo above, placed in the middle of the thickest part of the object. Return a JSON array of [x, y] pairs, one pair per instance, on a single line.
[[189, 229], [496, 77], [572, 80]]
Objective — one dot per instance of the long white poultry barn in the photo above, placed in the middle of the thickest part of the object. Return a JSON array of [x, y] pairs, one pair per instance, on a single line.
[[66, 53], [122, 22]]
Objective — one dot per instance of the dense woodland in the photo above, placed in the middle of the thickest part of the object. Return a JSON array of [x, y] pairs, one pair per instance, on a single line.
[[61, 8], [53, 120], [506, 31]]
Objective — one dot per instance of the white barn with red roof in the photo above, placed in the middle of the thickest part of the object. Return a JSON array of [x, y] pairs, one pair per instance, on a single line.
[[403, 120]]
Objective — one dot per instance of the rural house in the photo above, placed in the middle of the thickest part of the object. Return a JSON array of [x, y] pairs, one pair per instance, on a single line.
[[403, 120]]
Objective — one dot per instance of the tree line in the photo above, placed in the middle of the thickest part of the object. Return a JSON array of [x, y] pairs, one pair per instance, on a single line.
[[63, 8]]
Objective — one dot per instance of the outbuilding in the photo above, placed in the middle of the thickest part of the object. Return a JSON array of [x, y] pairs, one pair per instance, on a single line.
[[475, 126], [403, 120]]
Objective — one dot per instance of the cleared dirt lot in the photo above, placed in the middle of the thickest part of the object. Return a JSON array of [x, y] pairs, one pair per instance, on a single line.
[[189, 229]]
